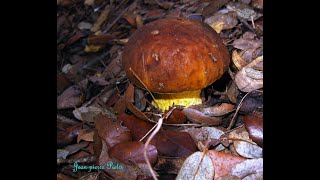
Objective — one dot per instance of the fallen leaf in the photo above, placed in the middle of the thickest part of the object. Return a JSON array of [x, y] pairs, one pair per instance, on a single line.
[[191, 170], [218, 109], [132, 152], [86, 135], [139, 99], [205, 133], [129, 93], [175, 144], [61, 176], [176, 117], [101, 19], [238, 61], [254, 125], [62, 82], [119, 107], [99, 80], [232, 92], [198, 117], [169, 143], [112, 132], [169, 165], [243, 145], [257, 4], [223, 162], [86, 113], [253, 102], [69, 135], [213, 7], [227, 20], [126, 172], [249, 169], [100, 39], [248, 41], [76, 147], [138, 127], [90, 176], [89, 2], [243, 10], [134, 110], [62, 153], [249, 79], [76, 37], [70, 98]]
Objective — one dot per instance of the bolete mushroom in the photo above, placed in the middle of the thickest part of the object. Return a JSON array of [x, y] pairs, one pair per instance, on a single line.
[[175, 59]]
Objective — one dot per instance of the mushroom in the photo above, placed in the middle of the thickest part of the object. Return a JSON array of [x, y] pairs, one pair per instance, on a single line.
[[175, 59]]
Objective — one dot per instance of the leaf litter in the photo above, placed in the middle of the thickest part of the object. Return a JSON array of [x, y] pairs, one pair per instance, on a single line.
[[99, 110]]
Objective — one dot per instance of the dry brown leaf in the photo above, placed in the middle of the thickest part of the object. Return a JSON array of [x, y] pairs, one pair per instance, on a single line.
[[135, 111], [129, 93], [254, 125], [243, 145], [257, 4], [68, 135], [198, 117], [248, 41], [119, 107], [213, 7], [232, 92], [238, 61], [253, 102], [138, 127], [176, 117], [139, 99], [243, 10], [175, 144], [123, 172], [249, 79], [62, 82], [223, 162], [101, 19], [132, 152], [90, 176], [205, 133], [70, 98], [76, 147], [218, 110], [197, 166], [169, 165], [226, 20], [249, 169], [112, 132], [61, 176], [86, 135], [86, 113]]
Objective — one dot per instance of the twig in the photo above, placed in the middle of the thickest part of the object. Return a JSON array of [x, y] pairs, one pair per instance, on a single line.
[[235, 114], [154, 99], [158, 126], [201, 160], [116, 20]]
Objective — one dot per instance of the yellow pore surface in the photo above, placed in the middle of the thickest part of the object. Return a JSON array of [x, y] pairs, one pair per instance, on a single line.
[[186, 99]]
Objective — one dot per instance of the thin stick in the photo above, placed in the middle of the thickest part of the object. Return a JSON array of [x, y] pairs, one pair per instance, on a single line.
[[204, 153], [235, 114], [154, 99], [158, 126]]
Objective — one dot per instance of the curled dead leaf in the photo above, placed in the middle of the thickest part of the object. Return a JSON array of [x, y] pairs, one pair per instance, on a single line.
[[238, 61], [70, 98], [218, 109], [254, 125], [132, 152], [248, 79], [68, 135], [112, 132], [198, 117]]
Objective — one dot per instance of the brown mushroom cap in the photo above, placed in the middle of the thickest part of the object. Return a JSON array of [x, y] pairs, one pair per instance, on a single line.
[[175, 55]]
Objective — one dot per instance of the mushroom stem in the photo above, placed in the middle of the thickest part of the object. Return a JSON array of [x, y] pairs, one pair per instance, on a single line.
[[165, 101]]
